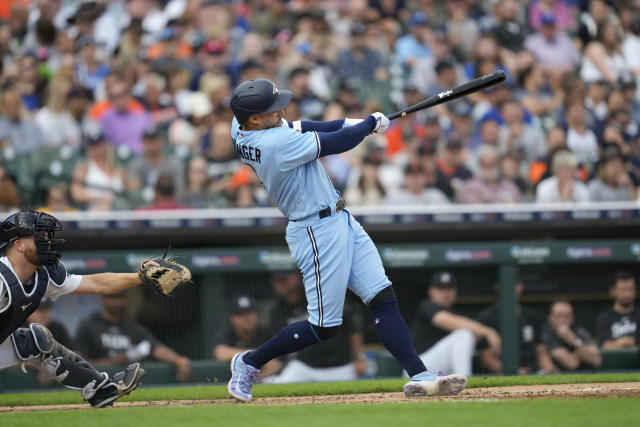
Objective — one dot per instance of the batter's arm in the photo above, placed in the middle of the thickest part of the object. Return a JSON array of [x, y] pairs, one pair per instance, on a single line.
[[303, 126], [346, 138]]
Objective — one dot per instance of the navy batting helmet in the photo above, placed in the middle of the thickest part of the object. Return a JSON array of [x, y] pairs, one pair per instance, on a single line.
[[40, 225], [258, 96]]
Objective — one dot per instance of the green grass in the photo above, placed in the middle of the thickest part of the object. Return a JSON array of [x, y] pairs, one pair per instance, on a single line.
[[516, 413], [314, 389]]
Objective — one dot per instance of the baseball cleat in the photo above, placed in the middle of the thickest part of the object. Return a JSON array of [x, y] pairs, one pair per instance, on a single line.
[[121, 384], [243, 377], [429, 384]]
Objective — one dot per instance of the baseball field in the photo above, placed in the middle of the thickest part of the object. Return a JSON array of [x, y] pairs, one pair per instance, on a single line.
[[558, 400]]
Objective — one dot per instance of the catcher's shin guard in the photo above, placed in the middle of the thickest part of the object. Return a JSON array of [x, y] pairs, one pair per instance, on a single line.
[[69, 369]]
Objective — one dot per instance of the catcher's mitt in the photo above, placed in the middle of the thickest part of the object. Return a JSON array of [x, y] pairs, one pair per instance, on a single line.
[[165, 276]]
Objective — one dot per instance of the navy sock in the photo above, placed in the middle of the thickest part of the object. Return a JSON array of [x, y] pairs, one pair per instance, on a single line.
[[291, 338], [394, 334]]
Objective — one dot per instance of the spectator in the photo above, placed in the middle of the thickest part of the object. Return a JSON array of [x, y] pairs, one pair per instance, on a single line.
[[122, 123], [21, 133], [580, 139], [619, 326], [487, 186], [414, 46], [519, 135], [89, 71], [444, 339], [164, 194], [509, 31], [367, 189], [243, 333], [54, 120], [197, 193], [451, 163], [558, 9], [541, 168], [591, 20], [414, 191], [534, 357], [57, 200], [552, 48], [98, 182], [124, 341], [613, 183], [603, 59], [9, 197], [563, 185], [570, 345], [143, 172], [339, 359], [434, 178], [533, 97], [510, 168], [358, 64]]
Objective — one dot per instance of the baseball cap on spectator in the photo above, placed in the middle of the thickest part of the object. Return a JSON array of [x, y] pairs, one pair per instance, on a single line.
[[461, 108], [413, 167], [431, 118], [167, 33], [77, 92], [426, 148], [443, 65], [94, 138], [410, 88], [358, 29], [241, 304], [611, 151], [151, 131], [548, 19], [453, 143], [214, 47], [84, 41], [374, 157], [417, 18], [443, 279]]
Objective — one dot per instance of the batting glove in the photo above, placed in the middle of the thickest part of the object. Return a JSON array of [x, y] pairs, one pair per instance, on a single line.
[[382, 123]]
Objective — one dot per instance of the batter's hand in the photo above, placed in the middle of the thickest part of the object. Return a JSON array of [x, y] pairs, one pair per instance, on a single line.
[[382, 123]]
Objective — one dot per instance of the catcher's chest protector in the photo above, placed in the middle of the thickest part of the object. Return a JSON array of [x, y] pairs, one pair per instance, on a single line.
[[21, 303]]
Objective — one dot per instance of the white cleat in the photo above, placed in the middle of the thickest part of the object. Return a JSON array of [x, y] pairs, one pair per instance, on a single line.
[[429, 384]]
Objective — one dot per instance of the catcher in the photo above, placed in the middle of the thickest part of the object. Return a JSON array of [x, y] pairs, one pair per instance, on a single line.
[[32, 270]]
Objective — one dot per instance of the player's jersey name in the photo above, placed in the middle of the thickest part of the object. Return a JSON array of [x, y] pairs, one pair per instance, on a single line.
[[249, 153]]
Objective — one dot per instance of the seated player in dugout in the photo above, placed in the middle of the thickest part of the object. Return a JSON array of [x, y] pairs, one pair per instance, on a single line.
[[570, 345], [30, 270], [109, 337], [534, 357], [341, 358], [618, 327], [244, 332], [445, 339]]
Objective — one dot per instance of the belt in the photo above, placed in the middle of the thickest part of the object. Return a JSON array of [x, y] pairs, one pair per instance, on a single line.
[[340, 204]]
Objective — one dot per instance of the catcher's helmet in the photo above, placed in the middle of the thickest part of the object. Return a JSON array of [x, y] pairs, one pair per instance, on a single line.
[[40, 225], [258, 96]]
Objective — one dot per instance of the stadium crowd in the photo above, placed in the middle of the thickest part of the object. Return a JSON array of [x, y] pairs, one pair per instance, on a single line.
[[124, 104]]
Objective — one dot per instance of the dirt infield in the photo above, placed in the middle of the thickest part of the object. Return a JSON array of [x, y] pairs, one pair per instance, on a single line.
[[563, 391]]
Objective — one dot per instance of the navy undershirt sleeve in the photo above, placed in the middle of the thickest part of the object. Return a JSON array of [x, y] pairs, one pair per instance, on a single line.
[[330, 126], [345, 139]]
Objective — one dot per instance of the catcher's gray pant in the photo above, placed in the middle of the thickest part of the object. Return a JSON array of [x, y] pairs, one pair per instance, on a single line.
[[453, 354], [299, 372]]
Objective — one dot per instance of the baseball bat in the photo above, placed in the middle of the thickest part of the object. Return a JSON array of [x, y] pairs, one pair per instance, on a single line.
[[464, 89]]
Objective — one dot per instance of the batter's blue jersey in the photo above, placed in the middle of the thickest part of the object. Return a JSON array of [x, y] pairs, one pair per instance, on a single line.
[[287, 162]]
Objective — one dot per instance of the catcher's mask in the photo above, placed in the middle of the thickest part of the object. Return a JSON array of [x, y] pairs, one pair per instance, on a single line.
[[40, 225]]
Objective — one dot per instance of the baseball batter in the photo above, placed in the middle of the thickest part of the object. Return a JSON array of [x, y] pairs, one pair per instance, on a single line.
[[330, 247], [30, 271]]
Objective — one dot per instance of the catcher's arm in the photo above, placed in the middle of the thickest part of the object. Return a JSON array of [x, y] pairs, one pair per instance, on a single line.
[[106, 283]]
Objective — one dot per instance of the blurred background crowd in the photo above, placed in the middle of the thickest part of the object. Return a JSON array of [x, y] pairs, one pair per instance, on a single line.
[[124, 104]]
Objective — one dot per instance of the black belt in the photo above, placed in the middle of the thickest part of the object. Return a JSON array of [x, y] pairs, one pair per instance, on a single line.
[[340, 204]]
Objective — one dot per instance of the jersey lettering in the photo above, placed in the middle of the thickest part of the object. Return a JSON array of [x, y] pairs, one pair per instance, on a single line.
[[249, 153]]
